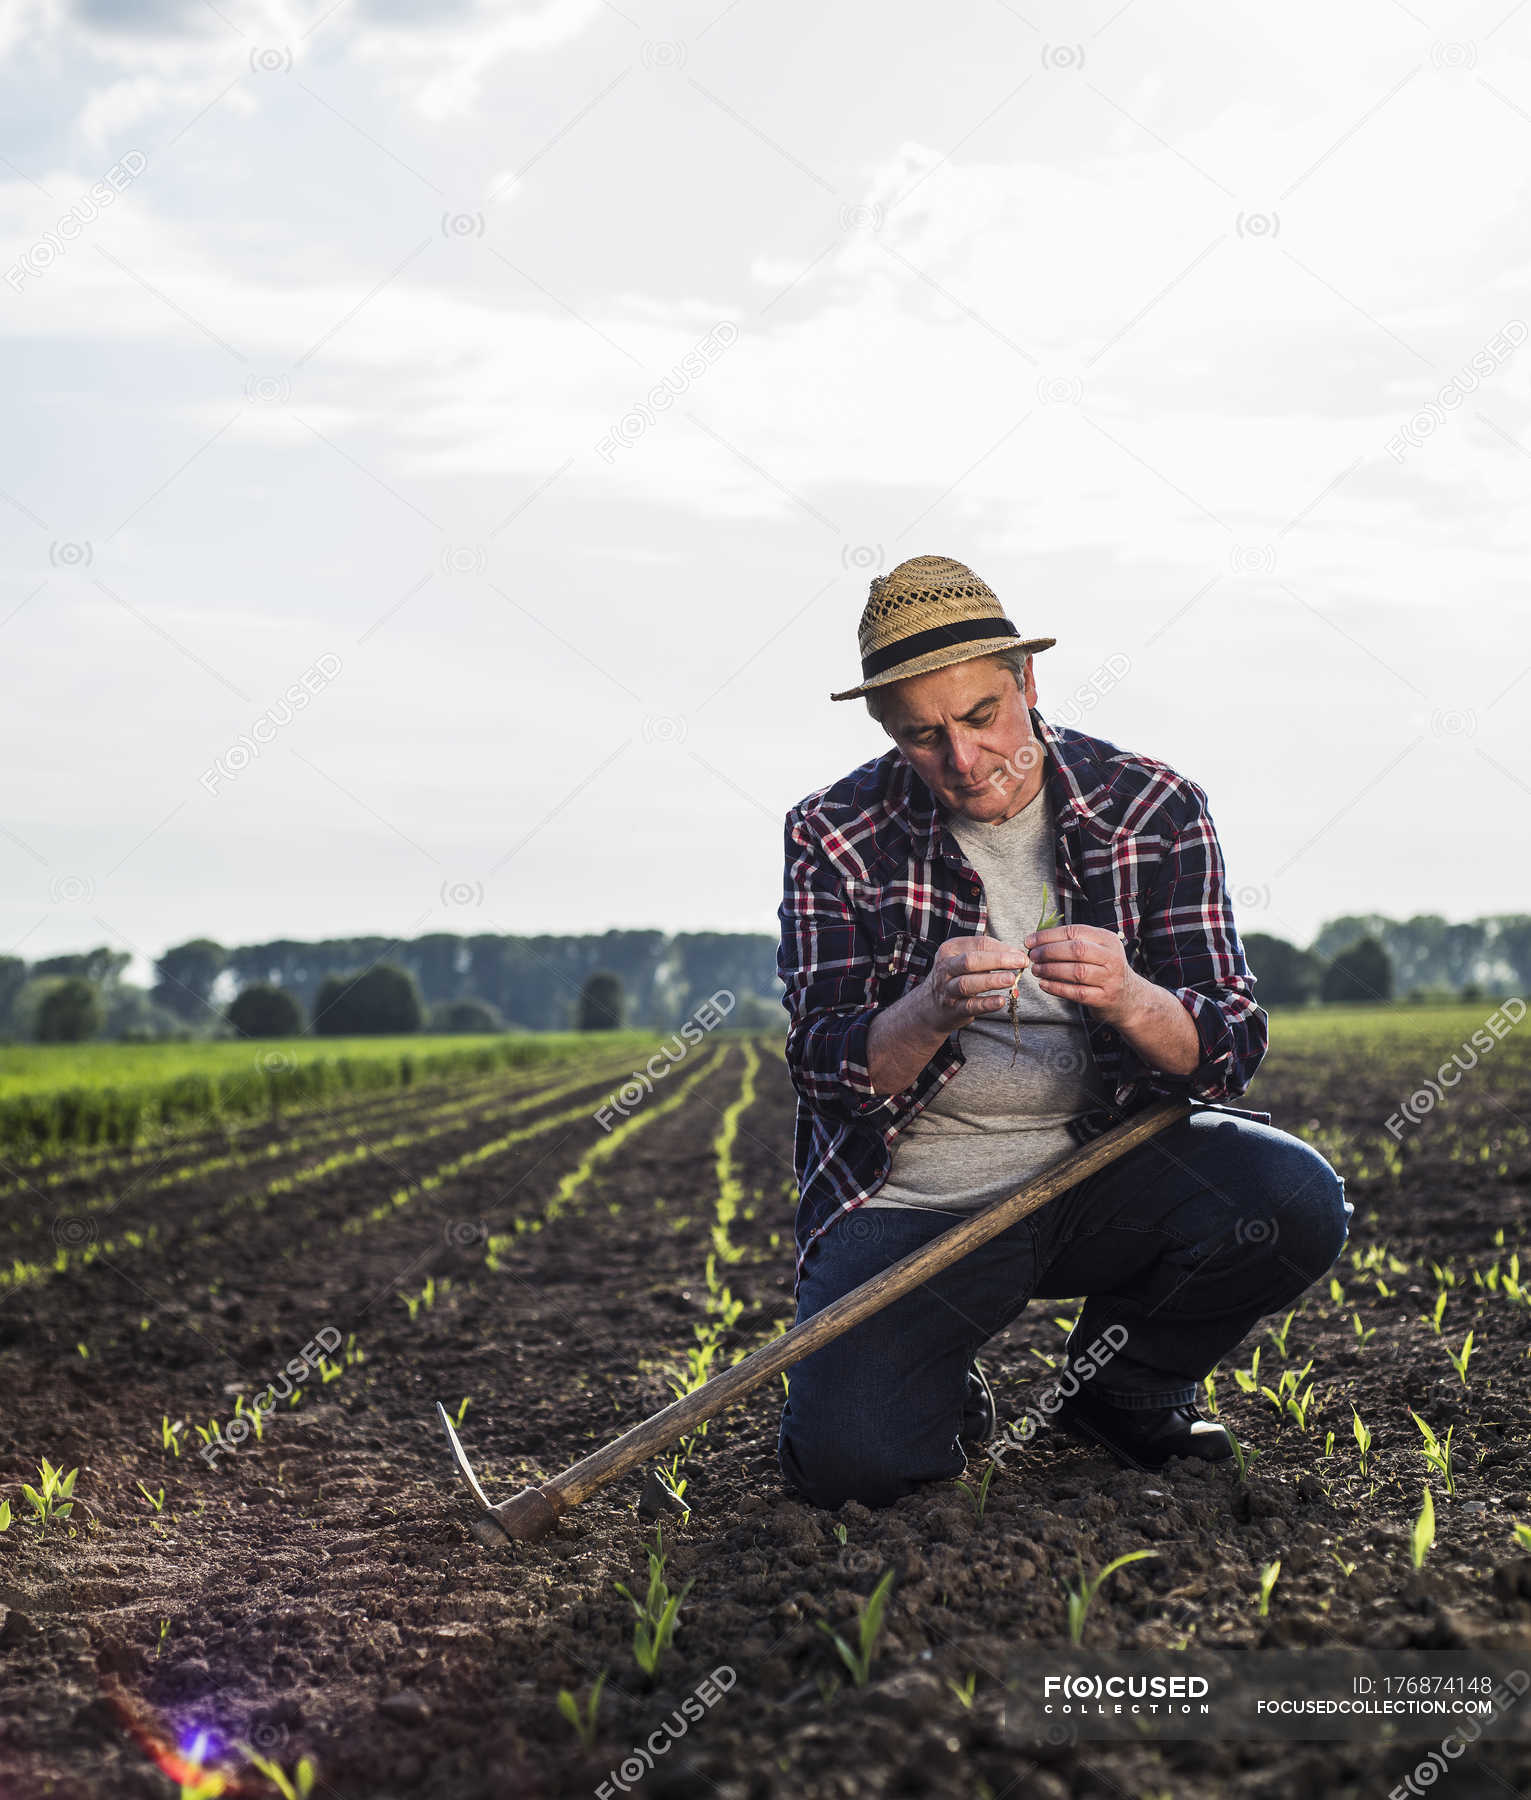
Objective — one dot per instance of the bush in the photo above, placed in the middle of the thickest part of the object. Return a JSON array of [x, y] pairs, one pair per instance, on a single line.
[[375, 1002], [1362, 973], [69, 1012], [600, 1002], [465, 1016], [263, 1011]]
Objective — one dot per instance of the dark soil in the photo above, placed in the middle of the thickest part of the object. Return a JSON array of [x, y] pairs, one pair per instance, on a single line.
[[328, 1591]]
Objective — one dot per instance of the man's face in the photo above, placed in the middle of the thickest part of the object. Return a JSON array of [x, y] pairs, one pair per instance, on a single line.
[[967, 734]]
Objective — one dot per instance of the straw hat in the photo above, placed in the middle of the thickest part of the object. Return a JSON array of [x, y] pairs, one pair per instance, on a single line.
[[926, 614]]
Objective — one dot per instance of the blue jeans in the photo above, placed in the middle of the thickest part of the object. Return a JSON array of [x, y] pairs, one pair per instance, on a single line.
[[1183, 1242]]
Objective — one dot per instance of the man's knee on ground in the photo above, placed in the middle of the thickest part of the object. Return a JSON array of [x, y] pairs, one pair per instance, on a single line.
[[827, 1474]]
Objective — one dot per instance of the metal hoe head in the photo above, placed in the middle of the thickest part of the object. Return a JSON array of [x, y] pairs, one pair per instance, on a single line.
[[460, 1457], [525, 1515]]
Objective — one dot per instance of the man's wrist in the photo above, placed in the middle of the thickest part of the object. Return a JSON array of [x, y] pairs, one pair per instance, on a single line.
[[1137, 1006]]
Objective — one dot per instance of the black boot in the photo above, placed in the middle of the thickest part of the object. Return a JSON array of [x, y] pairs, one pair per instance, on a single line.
[[1143, 1437], [979, 1418]]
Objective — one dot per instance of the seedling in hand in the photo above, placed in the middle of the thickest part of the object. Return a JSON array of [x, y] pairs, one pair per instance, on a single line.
[[1013, 1002]]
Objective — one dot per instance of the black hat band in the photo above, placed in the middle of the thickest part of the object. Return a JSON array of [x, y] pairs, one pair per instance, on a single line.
[[938, 637]]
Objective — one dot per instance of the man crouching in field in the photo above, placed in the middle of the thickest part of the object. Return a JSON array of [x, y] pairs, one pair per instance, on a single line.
[[914, 887]]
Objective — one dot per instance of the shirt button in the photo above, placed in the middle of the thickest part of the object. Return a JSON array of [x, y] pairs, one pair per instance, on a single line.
[[977, 889]]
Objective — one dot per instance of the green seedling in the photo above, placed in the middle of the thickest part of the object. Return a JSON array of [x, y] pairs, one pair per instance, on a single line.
[[297, 1786], [1082, 1597], [583, 1718], [1328, 1443], [1364, 1333], [1278, 1338], [426, 1297], [1243, 1460], [656, 1613], [82, 1350], [461, 1409], [1460, 1358], [1436, 1453], [1268, 1577], [157, 1504], [1423, 1534], [253, 1414], [1433, 1319], [1362, 1436], [5, 1516], [964, 1689], [841, 1534], [170, 1435], [1522, 1535], [164, 1632], [1249, 1379], [1209, 1384], [1347, 1569], [1045, 919], [980, 1495], [868, 1624], [1285, 1395], [1336, 1292], [52, 1500]]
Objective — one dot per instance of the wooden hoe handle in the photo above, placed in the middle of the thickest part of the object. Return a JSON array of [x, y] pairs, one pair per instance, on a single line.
[[530, 1513]]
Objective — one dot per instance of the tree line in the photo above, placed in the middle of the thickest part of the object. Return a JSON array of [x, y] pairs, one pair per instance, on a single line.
[[646, 980], [641, 980]]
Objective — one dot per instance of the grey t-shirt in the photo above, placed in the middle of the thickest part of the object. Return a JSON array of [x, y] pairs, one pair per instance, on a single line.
[[998, 1122]]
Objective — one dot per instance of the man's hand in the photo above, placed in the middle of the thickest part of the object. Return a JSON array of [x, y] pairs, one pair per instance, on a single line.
[[969, 977], [1087, 964], [961, 985]]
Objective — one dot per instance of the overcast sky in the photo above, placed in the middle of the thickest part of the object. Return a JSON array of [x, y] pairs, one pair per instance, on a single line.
[[1145, 312]]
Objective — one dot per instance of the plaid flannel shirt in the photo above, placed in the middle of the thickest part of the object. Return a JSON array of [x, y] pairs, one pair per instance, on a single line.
[[874, 883]]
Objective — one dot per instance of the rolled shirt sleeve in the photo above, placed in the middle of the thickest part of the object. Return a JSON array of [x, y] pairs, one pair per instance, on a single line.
[[1190, 945]]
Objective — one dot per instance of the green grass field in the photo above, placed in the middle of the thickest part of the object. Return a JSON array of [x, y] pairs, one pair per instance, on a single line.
[[1394, 1028], [46, 1068], [62, 1096]]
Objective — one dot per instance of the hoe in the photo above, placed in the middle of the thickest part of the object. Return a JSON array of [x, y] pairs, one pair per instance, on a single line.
[[531, 1512]]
